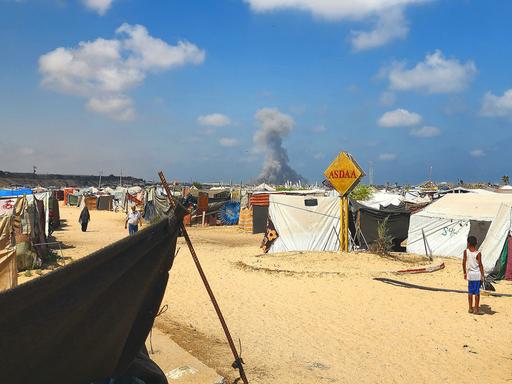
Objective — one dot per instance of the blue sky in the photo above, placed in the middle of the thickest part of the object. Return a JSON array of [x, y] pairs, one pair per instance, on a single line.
[[404, 84]]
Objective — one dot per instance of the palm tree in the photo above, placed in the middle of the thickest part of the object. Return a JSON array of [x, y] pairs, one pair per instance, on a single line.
[[505, 180]]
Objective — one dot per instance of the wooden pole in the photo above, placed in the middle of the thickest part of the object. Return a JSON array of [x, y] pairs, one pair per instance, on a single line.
[[341, 225], [344, 224]]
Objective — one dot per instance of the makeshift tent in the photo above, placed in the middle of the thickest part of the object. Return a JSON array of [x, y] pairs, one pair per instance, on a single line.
[[448, 222], [8, 271], [105, 203], [73, 200], [88, 320], [495, 243], [304, 223], [382, 199], [367, 220], [245, 219], [91, 202], [259, 203], [67, 191], [14, 192]]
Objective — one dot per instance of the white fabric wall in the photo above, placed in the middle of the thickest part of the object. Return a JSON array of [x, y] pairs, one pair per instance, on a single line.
[[302, 228], [498, 231], [446, 237]]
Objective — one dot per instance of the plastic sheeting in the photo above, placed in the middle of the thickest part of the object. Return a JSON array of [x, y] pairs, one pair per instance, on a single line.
[[8, 271], [496, 236], [448, 222], [305, 228], [445, 236]]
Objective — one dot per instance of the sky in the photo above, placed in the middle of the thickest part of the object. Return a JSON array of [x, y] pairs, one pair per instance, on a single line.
[[191, 87]]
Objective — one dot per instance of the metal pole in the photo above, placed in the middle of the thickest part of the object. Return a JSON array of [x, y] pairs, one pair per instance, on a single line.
[[345, 223], [238, 363]]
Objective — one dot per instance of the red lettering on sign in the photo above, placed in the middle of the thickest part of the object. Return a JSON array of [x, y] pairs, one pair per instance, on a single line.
[[342, 174]]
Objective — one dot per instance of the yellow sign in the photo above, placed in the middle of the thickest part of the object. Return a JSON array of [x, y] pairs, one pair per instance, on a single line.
[[344, 173]]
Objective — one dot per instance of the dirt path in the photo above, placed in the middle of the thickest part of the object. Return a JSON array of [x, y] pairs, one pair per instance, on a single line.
[[315, 318]]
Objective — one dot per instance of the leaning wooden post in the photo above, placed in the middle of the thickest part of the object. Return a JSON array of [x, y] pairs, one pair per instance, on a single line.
[[238, 363]]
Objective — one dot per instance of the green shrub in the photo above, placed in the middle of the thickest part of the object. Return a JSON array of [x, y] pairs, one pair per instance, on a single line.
[[361, 192], [384, 241]]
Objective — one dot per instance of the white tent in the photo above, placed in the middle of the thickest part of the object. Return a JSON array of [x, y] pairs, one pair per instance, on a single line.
[[305, 228], [384, 199], [493, 244], [447, 222]]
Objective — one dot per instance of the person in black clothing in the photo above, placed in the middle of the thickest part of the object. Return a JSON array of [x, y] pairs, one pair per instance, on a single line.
[[84, 219]]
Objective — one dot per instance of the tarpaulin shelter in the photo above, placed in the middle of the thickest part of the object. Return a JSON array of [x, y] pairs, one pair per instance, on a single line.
[[495, 248], [91, 202], [304, 223], [66, 192], [105, 203], [367, 220], [259, 203], [245, 219], [4, 193], [8, 271], [88, 320], [73, 199], [449, 221]]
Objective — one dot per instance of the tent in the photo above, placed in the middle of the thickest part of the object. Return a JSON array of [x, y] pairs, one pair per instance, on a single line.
[[448, 222], [88, 320], [303, 223], [367, 220], [105, 203], [495, 247], [14, 192], [383, 199], [8, 271]]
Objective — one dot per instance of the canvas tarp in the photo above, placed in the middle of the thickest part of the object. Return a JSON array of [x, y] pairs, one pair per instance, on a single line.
[[105, 203], [368, 220], [8, 271], [450, 220], [499, 230], [305, 228], [88, 320]]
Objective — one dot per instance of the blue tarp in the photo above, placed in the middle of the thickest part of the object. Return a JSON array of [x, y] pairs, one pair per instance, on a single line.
[[15, 192]]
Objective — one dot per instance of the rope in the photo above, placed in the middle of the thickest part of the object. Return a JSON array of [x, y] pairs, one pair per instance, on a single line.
[[160, 312]]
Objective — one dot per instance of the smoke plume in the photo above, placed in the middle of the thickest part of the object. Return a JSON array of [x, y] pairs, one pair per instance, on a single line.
[[274, 126]]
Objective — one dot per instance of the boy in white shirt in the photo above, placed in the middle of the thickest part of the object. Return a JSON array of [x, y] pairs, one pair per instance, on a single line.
[[473, 273]]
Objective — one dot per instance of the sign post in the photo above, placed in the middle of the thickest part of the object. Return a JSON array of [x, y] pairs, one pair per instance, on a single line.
[[344, 174]]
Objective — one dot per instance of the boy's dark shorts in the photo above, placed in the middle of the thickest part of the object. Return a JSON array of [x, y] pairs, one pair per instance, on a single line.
[[474, 287]]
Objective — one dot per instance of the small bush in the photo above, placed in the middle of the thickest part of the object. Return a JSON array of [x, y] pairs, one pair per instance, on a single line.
[[382, 246]]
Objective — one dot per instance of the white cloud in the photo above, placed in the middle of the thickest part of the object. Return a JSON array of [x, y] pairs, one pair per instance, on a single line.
[[118, 108], [436, 74], [100, 6], [387, 156], [106, 69], [228, 142], [389, 15], [477, 153], [319, 129], [387, 98], [497, 106], [331, 9], [399, 118], [214, 120], [391, 25], [425, 132], [318, 156]]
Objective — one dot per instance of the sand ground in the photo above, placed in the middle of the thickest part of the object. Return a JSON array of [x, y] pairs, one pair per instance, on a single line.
[[320, 317]]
